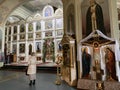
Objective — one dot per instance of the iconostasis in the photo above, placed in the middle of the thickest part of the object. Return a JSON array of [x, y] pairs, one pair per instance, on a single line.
[[39, 33]]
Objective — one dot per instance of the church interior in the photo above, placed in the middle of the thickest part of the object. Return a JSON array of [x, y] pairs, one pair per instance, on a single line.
[[76, 44]]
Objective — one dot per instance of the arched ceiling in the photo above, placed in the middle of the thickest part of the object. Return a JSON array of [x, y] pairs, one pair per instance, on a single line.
[[31, 7], [36, 5]]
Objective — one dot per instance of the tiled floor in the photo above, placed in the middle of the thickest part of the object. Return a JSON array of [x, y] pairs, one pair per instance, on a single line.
[[17, 80]]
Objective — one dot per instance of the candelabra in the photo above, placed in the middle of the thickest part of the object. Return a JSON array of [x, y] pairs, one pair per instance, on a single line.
[[58, 79]]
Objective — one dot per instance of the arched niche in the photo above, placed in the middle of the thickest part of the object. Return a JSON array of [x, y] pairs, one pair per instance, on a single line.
[[29, 19], [71, 21], [48, 11], [37, 16], [58, 12]]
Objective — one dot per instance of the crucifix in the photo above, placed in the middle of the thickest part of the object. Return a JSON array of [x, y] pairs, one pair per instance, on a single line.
[[98, 70], [97, 67]]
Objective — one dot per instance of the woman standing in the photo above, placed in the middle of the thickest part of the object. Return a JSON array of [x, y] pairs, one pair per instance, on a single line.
[[110, 64], [86, 63], [32, 68]]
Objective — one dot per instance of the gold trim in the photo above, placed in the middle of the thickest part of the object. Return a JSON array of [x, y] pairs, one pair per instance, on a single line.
[[95, 44]]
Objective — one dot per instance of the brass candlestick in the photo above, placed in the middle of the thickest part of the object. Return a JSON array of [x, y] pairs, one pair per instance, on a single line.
[[58, 79]]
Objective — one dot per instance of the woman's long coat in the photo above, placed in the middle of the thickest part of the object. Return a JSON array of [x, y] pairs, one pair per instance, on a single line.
[[32, 65]]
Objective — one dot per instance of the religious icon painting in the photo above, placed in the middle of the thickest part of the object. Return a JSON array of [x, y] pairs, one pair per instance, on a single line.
[[38, 35], [59, 23], [15, 30], [22, 28], [48, 34], [22, 58], [48, 24], [59, 46], [30, 27], [48, 11], [38, 26], [38, 47], [66, 54], [30, 36], [99, 86], [22, 36], [39, 59], [59, 32], [98, 20], [22, 48], [14, 37]]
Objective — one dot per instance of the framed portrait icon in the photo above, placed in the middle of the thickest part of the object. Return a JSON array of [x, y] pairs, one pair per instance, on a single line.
[[14, 37], [38, 26], [30, 27], [38, 47], [48, 34], [38, 35], [22, 48], [22, 36], [59, 32], [30, 35], [22, 28], [48, 24], [59, 23]]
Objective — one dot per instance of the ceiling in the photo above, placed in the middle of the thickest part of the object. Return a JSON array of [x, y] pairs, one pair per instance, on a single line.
[[31, 7], [38, 5]]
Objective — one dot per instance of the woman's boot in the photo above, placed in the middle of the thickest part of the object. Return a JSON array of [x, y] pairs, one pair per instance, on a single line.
[[30, 82], [33, 82]]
